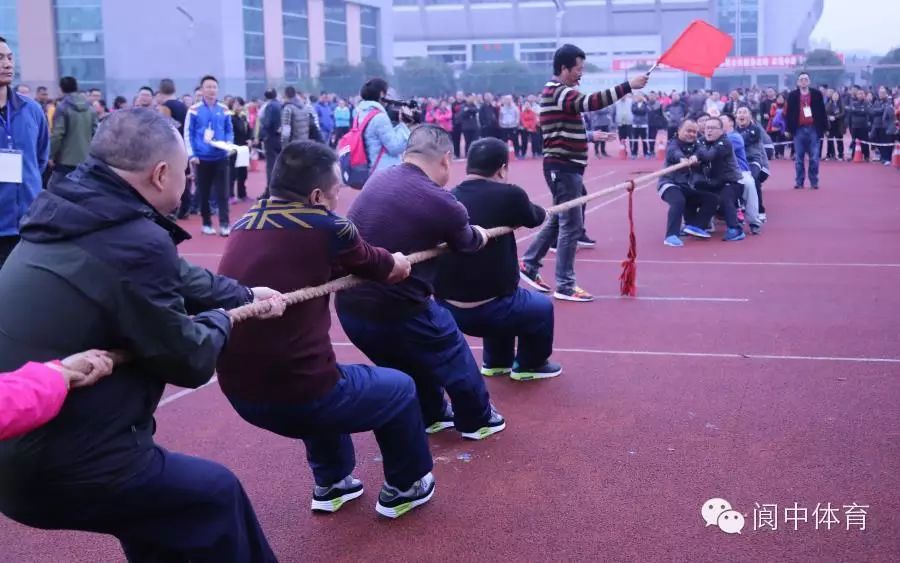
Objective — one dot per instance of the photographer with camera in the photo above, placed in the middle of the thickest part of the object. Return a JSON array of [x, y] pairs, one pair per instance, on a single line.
[[385, 143]]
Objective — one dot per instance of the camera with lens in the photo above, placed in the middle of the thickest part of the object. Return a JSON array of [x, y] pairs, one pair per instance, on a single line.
[[393, 109]]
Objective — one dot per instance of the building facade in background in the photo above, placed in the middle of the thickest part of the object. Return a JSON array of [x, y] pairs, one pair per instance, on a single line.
[[464, 32], [121, 45]]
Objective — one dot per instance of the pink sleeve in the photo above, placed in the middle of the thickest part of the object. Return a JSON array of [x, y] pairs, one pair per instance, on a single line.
[[29, 397]]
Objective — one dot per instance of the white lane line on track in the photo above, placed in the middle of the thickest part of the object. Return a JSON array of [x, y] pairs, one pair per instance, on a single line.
[[675, 298], [654, 353]]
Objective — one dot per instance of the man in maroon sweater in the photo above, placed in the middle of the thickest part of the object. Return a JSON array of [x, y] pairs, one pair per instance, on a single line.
[[405, 209], [282, 375]]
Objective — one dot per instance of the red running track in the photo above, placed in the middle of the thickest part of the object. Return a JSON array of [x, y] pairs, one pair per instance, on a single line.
[[762, 371]]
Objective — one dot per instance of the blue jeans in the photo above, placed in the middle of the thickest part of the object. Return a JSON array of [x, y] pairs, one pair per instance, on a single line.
[[526, 315], [175, 508], [806, 142], [564, 228], [365, 398], [431, 349]]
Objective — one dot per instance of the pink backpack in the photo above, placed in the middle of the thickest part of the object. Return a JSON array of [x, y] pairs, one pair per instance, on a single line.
[[352, 153]]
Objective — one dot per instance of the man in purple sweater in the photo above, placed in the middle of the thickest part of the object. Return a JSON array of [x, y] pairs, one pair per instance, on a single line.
[[282, 375], [405, 209]]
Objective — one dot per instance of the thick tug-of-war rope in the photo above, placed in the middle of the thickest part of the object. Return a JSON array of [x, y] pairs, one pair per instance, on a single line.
[[627, 279]]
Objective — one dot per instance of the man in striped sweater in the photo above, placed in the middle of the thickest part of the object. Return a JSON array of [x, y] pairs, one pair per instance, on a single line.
[[565, 158]]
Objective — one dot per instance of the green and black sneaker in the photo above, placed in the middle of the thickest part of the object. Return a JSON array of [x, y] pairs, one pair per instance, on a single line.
[[445, 422], [331, 499], [394, 503], [494, 372], [546, 371], [494, 424]]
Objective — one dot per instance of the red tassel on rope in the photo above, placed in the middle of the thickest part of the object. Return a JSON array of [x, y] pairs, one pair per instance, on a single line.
[[628, 279]]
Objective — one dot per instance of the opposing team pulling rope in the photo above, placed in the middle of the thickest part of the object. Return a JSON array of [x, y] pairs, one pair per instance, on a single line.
[[253, 310]]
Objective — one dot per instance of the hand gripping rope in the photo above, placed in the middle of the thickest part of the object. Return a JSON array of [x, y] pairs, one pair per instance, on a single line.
[[629, 265]]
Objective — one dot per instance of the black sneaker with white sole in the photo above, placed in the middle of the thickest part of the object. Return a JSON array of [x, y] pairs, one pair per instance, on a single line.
[[546, 371], [494, 424], [394, 503], [445, 422], [586, 242], [331, 499]]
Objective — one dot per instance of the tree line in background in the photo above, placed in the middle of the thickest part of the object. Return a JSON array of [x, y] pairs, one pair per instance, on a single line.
[[426, 77]]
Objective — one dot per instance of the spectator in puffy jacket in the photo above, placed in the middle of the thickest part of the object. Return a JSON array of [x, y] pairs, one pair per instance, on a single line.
[[858, 119], [385, 143], [489, 118], [466, 120], [74, 124], [298, 121], [622, 117]]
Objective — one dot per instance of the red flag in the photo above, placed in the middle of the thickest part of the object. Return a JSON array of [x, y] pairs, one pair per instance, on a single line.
[[700, 49]]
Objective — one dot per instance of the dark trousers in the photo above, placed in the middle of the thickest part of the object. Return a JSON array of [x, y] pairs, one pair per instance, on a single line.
[[651, 138], [862, 134], [339, 133], [600, 146], [537, 143], [272, 150], [695, 206], [510, 134], [835, 141], [524, 138], [187, 196], [365, 398], [178, 508], [432, 350], [212, 180], [563, 228], [624, 132], [237, 176], [7, 244], [728, 195], [806, 143], [470, 135], [880, 135], [457, 138], [778, 137], [526, 315], [639, 133]]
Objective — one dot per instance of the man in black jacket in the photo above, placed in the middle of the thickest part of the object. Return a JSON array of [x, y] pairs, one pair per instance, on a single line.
[[482, 290], [270, 133], [806, 123], [677, 189], [721, 175], [98, 253]]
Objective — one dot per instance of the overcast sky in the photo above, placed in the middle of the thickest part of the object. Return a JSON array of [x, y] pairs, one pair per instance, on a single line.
[[860, 25]]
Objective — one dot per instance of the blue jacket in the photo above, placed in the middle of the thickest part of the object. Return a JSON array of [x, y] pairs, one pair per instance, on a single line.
[[326, 118], [740, 153], [381, 135], [202, 117], [31, 135]]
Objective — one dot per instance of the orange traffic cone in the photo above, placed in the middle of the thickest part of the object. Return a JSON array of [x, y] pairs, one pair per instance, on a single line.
[[895, 158], [660, 150], [623, 152], [857, 153]]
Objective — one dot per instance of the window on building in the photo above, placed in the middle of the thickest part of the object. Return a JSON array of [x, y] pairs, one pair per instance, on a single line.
[[9, 31], [254, 48], [335, 30], [368, 24], [296, 39], [492, 52], [749, 45], [406, 2], [79, 41]]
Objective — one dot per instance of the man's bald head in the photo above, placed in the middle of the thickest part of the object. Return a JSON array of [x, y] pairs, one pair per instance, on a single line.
[[135, 139], [145, 149], [429, 147]]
